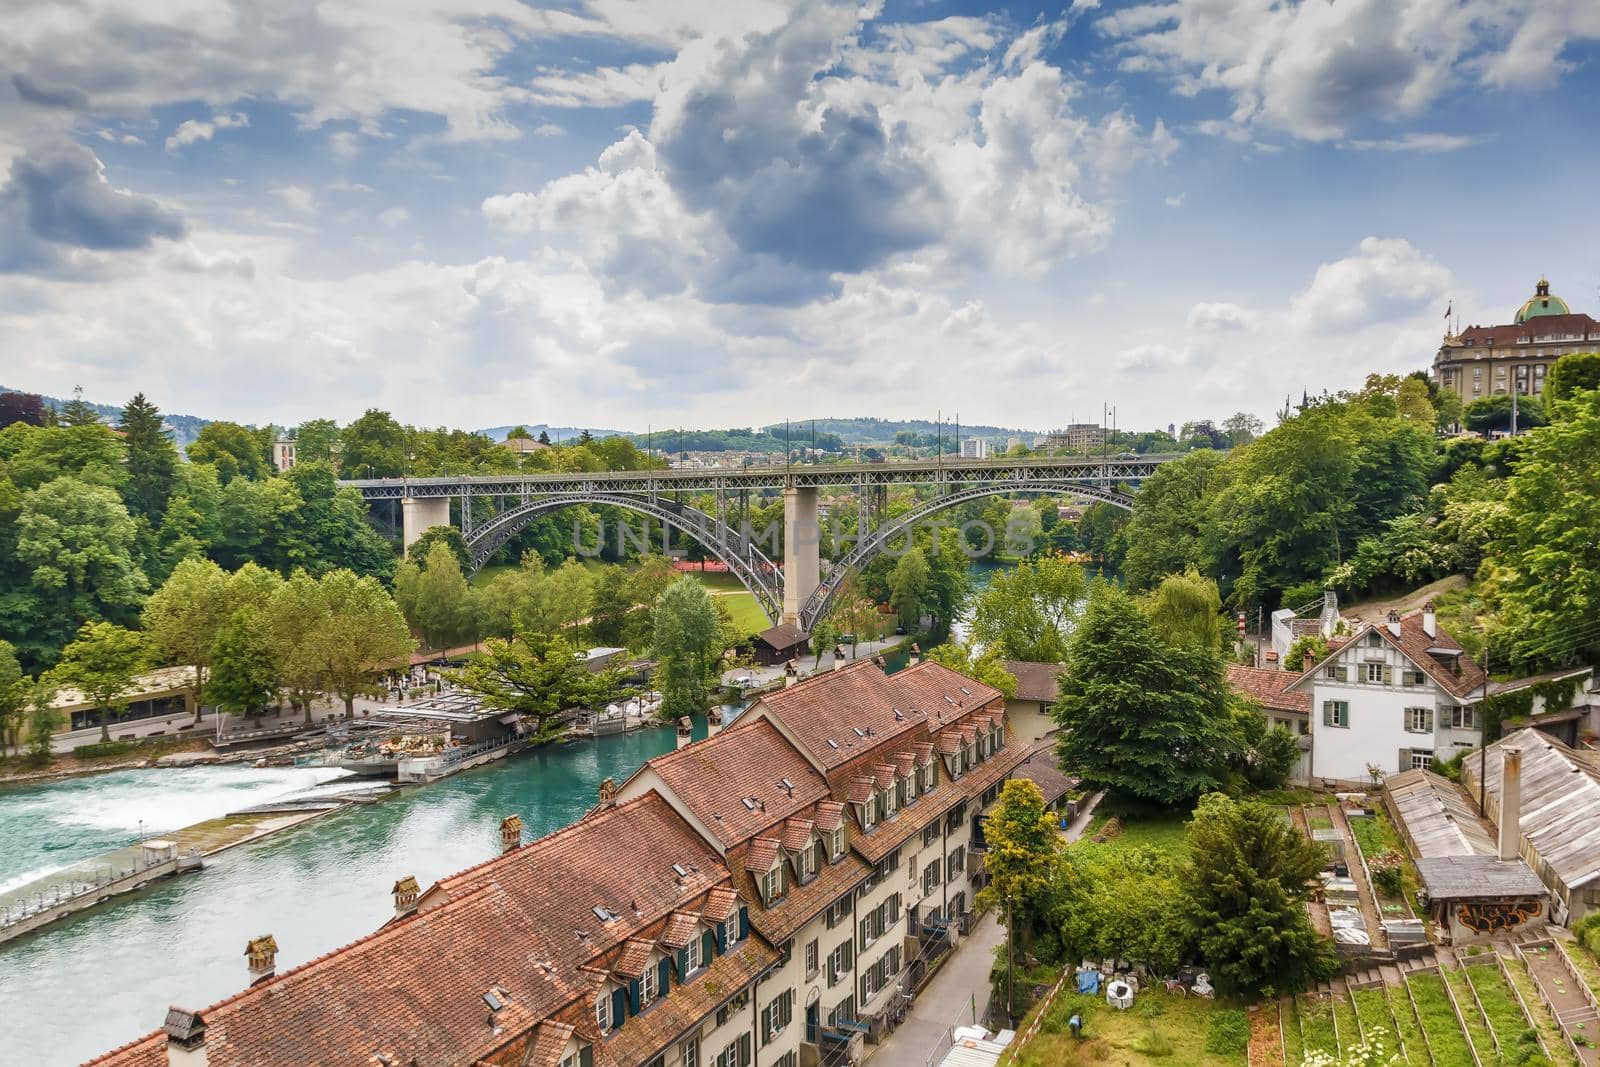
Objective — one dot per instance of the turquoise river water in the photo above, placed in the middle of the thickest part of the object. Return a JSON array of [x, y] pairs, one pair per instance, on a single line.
[[114, 970]]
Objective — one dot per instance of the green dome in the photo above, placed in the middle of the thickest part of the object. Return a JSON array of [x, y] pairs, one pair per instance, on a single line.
[[1542, 303]]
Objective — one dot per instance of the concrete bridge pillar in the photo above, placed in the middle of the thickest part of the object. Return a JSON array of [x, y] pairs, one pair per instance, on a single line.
[[419, 514], [802, 537]]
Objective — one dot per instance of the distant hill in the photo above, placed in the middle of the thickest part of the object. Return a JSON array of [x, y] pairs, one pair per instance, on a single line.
[[874, 431], [557, 433], [185, 428]]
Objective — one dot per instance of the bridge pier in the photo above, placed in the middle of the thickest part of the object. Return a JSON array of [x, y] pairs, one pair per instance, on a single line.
[[419, 514], [802, 538]]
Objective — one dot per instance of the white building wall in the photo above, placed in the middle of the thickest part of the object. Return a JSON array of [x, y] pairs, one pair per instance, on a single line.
[[1377, 734]]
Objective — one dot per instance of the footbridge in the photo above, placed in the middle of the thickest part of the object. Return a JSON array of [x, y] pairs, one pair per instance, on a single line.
[[799, 591]]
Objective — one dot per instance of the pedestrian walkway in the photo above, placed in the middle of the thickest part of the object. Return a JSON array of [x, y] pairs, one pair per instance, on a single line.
[[958, 994]]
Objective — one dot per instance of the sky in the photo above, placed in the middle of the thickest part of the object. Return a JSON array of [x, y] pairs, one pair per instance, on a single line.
[[632, 213]]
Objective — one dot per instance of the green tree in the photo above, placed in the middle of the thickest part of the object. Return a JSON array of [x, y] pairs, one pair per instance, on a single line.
[[1244, 893], [437, 599], [539, 677], [374, 446], [314, 440], [1165, 534], [183, 618], [983, 666], [232, 449], [42, 720], [1548, 552], [244, 675], [316, 525], [685, 645], [1101, 532], [90, 453], [613, 603], [78, 543], [1572, 374], [103, 663], [78, 412], [14, 686], [447, 535], [191, 524], [294, 619], [1493, 413], [152, 460], [908, 587], [1119, 902], [1186, 610], [1029, 612], [360, 634], [1138, 715], [1022, 848]]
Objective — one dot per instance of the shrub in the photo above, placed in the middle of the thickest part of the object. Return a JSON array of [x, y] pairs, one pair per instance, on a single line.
[[1153, 1044], [1587, 931], [104, 748], [1228, 1032], [1388, 872]]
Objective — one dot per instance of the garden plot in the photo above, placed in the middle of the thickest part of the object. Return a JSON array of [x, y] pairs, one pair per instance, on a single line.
[[1372, 1009], [1316, 1024], [1344, 1021], [1446, 1039], [1294, 1047], [1405, 1022], [1519, 1040], [1523, 984], [1483, 1043]]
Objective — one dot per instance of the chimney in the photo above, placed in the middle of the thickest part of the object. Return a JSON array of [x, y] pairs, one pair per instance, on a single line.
[[916, 653], [685, 731], [262, 956], [1430, 623], [608, 791], [1510, 803], [186, 1038], [406, 892], [791, 674], [1394, 622], [714, 722], [510, 833], [838, 658]]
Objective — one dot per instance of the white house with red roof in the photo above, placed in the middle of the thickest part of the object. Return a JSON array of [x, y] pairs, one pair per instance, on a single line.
[[1393, 696]]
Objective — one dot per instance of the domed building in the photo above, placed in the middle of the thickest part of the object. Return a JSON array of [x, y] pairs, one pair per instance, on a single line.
[[1485, 361]]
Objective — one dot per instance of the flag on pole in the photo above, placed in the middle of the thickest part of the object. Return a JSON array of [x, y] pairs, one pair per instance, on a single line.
[[1448, 308]]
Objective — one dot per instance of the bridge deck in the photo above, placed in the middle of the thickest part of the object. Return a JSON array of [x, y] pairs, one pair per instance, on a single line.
[[1102, 471]]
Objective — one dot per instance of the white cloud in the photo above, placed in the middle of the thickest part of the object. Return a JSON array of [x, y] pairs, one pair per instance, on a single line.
[[1386, 279], [1151, 358], [1177, 200], [1221, 317], [296, 198], [1418, 142], [193, 131], [548, 129], [1317, 69], [394, 216]]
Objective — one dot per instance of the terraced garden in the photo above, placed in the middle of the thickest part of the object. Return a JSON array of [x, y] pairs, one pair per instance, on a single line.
[[1406, 1025], [1438, 1018], [1316, 1025], [1518, 1041], [1372, 1009]]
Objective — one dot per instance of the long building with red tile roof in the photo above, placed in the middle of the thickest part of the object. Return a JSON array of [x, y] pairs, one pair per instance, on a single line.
[[683, 919]]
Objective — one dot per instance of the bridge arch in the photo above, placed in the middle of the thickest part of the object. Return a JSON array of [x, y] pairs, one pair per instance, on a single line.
[[866, 550], [748, 563]]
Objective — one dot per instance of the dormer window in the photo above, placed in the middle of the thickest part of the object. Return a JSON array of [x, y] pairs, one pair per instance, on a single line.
[[602, 1011], [886, 798], [930, 778], [836, 843], [772, 883], [869, 813], [648, 989]]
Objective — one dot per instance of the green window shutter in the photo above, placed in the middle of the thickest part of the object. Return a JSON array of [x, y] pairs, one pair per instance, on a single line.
[[1344, 674], [619, 1007], [722, 937], [633, 995], [1405, 759], [707, 944], [1388, 674], [744, 1050], [683, 964], [744, 923], [586, 1056], [663, 973]]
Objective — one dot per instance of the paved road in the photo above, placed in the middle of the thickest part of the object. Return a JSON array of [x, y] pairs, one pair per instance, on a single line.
[[947, 1001]]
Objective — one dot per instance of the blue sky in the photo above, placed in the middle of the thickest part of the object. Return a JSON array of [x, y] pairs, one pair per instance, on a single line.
[[637, 212]]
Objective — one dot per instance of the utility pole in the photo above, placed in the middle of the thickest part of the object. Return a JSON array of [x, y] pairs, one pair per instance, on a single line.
[[1513, 410], [1011, 962], [1483, 730], [938, 431]]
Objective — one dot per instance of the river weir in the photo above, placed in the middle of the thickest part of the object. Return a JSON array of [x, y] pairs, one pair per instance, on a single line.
[[314, 887]]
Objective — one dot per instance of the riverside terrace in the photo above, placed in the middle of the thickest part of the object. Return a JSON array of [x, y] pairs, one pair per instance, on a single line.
[[756, 897]]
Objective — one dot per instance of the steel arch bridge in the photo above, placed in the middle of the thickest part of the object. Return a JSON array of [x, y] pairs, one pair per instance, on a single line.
[[798, 592], [868, 548]]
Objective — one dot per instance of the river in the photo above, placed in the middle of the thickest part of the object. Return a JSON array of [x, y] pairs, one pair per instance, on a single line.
[[114, 970]]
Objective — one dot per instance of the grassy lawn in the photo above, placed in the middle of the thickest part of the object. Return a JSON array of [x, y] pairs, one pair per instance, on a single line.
[[746, 612], [718, 580], [488, 573], [1316, 1025], [1477, 1030], [1373, 1013], [1158, 1029], [1542, 1019], [1293, 1047], [1344, 1015], [1163, 832]]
